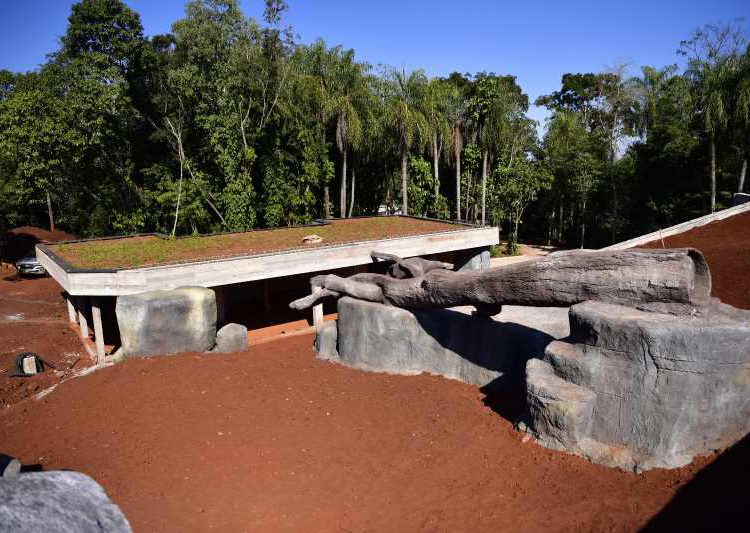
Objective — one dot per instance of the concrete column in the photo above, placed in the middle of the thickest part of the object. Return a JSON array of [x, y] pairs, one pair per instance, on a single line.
[[82, 320], [96, 315], [317, 310], [71, 308]]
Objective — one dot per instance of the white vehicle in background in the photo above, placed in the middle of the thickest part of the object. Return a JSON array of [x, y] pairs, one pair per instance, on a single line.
[[29, 266]]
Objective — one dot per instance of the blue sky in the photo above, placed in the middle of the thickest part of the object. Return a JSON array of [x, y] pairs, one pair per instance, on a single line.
[[535, 41]]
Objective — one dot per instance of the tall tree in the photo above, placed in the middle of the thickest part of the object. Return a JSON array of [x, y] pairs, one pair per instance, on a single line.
[[407, 119], [711, 52]]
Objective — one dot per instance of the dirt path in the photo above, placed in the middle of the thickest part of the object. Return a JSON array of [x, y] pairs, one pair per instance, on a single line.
[[276, 440]]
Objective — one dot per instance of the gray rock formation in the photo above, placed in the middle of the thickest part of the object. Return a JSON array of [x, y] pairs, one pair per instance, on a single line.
[[326, 342], [480, 351], [477, 259], [231, 338], [57, 501], [167, 322], [9, 466], [638, 390]]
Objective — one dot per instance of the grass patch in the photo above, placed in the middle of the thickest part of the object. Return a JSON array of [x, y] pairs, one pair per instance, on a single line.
[[151, 250]]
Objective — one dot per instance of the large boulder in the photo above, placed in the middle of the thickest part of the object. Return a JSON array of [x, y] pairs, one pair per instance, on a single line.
[[638, 390], [476, 350], [57, 501], [231, 338], [167, 322]]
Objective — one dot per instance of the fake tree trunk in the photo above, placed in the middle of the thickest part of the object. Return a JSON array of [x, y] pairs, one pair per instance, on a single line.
[[627, 277]]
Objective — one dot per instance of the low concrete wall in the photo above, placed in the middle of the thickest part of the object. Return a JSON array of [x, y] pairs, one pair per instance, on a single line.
[[486, 352]]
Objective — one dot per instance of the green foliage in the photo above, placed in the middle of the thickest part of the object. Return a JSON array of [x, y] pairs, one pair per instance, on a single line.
[[228, 123]]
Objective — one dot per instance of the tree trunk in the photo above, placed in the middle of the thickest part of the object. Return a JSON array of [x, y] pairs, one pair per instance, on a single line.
[[351, 198], [484, 184], [615, 206], [342, 197], [326, 201], [583, 223], [436, 164], [179, 195], [49, 212], [677, 278], [741, 187], [457, 155], [713, 172], [404, 182]]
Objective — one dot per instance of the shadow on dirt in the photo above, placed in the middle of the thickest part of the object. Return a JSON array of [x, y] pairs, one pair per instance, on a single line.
[[716, 499]]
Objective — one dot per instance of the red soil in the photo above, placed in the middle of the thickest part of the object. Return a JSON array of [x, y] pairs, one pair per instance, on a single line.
[[726, 246], [33, 317], [274, 440], [19, 242]]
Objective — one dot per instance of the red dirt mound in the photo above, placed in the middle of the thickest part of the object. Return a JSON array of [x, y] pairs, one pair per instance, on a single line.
[[19, 242], [726, 246]]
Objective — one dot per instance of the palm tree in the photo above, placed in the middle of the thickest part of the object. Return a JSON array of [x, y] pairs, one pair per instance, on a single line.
[[455, 112], [317, 64], [439, 128], [713, 52], [406, 99], [648, 89], [344, 106]]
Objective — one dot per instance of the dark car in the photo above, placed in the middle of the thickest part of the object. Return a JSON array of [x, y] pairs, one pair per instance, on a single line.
[[29, 266]]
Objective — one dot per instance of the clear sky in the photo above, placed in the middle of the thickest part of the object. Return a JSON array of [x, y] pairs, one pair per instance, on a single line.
[[537, 41]]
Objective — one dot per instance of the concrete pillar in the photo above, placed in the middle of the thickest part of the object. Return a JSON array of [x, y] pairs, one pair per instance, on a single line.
[[96, 316], [317, 310], [83, 323], [71, 308]]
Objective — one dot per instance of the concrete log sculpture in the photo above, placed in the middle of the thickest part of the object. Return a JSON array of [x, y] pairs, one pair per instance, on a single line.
[[678, 279], [652, 372]]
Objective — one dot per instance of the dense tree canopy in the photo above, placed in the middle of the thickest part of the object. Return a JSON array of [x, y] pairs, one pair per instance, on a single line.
[[228, 123]]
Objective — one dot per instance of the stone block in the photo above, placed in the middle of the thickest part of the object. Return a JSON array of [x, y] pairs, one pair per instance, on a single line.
[[326, 341], [166, 322], [472, 259], [476, 350], [231, 338], [663, 388], [57, 501]]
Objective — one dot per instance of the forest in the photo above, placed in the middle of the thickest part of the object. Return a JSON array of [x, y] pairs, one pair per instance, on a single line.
[[229, 123]]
